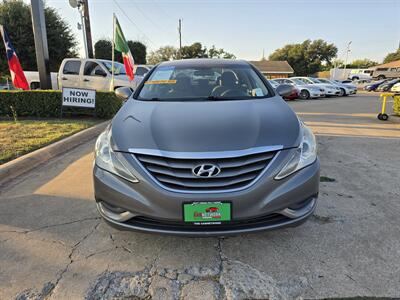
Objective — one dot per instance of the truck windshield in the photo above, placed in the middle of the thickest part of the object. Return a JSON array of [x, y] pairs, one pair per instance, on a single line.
[[119, 69], [203, 83]]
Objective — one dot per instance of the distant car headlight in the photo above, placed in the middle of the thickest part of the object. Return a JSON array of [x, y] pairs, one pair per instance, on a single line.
[[108, 160], [305, 155]]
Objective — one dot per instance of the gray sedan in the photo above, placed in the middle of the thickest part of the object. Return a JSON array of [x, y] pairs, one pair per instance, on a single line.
[[205, 147]]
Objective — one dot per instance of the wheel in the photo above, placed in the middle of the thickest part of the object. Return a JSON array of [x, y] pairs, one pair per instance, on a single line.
[[342, 92], [381, 77], [355, 78], [304, 94], [383, 117]]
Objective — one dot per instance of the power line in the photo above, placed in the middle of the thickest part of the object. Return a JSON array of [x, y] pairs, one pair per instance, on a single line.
[[137, 27]]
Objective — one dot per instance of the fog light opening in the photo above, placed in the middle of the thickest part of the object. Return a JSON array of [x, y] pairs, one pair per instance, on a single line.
[[114, 213]]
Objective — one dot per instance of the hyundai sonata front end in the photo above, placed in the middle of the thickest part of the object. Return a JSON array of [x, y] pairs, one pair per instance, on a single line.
[[206, 147]]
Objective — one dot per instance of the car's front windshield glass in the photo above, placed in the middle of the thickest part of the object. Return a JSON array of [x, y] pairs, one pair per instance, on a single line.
[[315, 80], [298, 81], [190, 83], [119, 69]]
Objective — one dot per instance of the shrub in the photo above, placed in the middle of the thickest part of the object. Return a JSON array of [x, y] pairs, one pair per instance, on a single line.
[[47, 104]]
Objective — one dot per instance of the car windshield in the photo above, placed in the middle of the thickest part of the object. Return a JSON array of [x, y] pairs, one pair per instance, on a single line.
[[323, 80], [203, 83], [119, 69], [298, 81], [315, 80]]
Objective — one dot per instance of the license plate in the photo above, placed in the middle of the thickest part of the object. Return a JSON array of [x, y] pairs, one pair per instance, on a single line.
[[207, 213]]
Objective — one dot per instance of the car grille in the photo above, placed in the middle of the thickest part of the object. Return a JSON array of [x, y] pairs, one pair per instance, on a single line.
[[176, 173]]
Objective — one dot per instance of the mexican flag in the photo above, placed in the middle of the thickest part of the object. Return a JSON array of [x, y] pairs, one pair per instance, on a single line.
[[121, 45]]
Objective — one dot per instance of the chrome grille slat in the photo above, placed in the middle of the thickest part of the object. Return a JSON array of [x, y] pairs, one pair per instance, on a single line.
[[187, 173], [176, 173]]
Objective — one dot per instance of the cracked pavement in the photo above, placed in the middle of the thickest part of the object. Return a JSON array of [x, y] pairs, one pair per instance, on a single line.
[[53, 245]]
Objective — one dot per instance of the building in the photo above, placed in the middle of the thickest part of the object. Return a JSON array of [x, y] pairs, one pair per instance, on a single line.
[[392, 64], [273, 69]]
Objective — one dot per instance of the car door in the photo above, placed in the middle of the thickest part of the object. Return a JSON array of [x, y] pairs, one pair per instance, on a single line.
[[95, 77], [70, 76]]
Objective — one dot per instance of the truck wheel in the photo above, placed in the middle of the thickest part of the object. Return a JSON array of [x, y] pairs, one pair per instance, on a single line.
[[35, 85], [355, 78], [381, 77], [304, 94]]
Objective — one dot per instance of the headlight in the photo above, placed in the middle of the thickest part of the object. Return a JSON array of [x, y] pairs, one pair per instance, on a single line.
[[305, 155], [108, 160]]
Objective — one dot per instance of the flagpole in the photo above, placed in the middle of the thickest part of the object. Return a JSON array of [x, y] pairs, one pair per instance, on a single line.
[[112, 55]]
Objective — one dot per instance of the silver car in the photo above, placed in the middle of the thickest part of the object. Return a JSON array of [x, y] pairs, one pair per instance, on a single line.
[[345, 89], [205, 147], [330, 89]]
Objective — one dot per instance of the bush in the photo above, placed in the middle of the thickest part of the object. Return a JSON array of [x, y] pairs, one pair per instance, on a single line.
[[47, 104]]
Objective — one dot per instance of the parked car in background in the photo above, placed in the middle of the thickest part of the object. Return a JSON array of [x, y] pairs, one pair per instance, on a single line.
[[395, 88], [360, 74], [330, 89], [294, 95], [306, 91], [6, 87], [345, 89], [374, 85], [383, 73], [387, 85], [94, 74]]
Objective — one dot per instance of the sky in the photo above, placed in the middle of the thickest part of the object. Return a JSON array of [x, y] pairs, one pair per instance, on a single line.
[[247, 28]]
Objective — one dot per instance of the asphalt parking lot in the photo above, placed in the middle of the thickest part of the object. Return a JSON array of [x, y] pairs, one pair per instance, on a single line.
[[54, 246]]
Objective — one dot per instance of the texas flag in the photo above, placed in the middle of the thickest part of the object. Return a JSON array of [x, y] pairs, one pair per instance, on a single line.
[[17, 74]]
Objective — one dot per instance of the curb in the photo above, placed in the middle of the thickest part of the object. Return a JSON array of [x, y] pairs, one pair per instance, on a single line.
[[27, 162]]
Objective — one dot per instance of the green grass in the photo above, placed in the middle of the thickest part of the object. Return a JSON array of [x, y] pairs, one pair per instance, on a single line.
[[21, 137]]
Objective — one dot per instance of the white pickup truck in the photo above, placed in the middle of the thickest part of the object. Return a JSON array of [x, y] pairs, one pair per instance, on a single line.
[[89, 73]]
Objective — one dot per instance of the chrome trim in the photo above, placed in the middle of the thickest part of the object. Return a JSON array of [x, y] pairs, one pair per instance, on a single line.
[[122, 217], [205, 155], [208, 191], [297, 213]]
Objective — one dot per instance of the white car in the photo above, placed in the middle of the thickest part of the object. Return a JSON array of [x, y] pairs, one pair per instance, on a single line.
[[345, 89], [330, 89], [395, 88], [360, 74], [307, 91]]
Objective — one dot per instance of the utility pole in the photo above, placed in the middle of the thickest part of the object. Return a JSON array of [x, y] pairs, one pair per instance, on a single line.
[[41, 48], [347, 56], [180, 38], [88, 33]]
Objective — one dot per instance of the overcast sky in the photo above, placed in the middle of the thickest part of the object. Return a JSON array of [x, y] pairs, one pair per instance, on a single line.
[[245, 28]]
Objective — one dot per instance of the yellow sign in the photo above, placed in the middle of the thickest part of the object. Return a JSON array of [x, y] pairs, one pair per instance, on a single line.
[[160, 82]]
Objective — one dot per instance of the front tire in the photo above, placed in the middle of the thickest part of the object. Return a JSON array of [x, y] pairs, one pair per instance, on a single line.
[[304, 95], [342, 92], [381, 77]]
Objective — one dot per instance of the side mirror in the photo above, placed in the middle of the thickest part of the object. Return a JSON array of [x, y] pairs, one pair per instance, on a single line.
[[123, 92], [100, 72], [284, 90]]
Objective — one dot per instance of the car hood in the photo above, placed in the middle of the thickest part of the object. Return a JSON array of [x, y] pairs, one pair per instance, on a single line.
[[204, 126]]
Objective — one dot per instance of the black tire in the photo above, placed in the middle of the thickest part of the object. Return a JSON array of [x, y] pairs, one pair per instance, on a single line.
[[342, 92], [355, 78], [304, 94], [35, 85], [383, 117], [381, 77]]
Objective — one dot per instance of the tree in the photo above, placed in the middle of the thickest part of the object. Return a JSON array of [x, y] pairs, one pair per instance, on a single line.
[[195, 50], [308, 57], [213, 52], [139, 51], [16, 17], [392, 56], [163, 54], [362, 64]]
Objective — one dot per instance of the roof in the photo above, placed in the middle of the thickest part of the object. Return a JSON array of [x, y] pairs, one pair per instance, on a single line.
[[392, 64], [273, 66]]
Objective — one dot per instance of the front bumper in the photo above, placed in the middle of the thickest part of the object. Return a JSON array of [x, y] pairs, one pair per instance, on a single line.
[[267, 204]]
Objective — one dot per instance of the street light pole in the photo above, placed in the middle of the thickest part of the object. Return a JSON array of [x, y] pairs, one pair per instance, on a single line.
[[41, 48], [180, 38]]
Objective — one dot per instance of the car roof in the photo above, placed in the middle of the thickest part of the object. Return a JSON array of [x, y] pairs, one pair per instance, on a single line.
[[211, 62]]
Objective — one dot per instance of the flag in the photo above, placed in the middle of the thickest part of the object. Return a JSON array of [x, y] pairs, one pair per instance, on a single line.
[[121, 45], [17, 74]]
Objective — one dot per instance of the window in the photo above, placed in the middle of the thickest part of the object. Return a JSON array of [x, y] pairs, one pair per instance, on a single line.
[[72, 67], [140, 71], [119, 69], [230, 82], [91, 67], [381, 69]]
